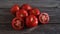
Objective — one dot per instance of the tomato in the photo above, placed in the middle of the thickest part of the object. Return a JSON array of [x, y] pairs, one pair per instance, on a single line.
[[14, 9], [34, 11], [17, 23], [31, 21], [22, 13], [26, 7], [44, 18]]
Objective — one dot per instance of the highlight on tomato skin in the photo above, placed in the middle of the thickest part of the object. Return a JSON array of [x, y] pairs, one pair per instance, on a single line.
[[22, 13], [31, 21], [17, 24], [27, 16], [44, 18], [34, 11], [14, 9], [26, 7]]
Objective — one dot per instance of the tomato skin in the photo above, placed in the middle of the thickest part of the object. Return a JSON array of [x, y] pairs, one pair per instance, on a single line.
[[31, 21], [14, 9], [21, 13], [26, 7], [16, 23], [34, 11], [44, 17]]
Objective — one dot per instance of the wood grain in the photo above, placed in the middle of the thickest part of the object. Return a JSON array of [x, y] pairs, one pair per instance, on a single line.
[[54, 13], [52, 7]]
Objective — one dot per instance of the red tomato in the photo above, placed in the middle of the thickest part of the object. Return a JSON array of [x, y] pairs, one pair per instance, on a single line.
[[34, 11], [44, 18], [14, 9], [21, 13], [17, 24], [26, 7], [31, 21]]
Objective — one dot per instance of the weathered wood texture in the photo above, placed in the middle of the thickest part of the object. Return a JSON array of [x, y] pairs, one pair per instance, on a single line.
[[54, 13], [52, 7]]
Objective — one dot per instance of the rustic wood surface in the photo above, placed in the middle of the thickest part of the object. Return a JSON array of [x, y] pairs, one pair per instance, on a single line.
[[52, 7]]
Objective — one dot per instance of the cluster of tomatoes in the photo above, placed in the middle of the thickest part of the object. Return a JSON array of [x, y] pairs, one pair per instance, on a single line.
[[27, 16]]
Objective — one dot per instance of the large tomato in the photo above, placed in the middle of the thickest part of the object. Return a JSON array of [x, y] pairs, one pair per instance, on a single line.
[[26, 7], [22, 13], [17, 23], [44, 18], [34, 11], [31, 21], [14, 9]]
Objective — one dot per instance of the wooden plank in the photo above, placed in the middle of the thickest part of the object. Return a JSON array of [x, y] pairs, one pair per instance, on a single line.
[[35, 3], [41, 29], [54, 13]]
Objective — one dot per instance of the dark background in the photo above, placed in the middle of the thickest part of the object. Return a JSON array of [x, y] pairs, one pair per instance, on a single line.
[[52, 7]]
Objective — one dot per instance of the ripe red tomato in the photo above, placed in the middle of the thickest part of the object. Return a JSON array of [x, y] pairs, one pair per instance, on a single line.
[[21, 13], [26, 7], [31, 21], [17, 23], [44, 18], [14, 9], [34, 11]]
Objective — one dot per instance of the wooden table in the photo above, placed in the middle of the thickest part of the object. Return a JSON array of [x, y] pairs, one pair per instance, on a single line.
[[52, 7]]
